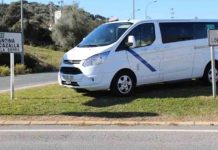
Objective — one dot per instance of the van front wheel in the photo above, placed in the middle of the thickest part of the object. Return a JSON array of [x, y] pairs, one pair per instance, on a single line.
[[123, 84]]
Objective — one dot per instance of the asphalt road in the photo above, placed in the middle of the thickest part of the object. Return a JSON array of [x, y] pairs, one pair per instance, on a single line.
[[24, 81], [108, 138]]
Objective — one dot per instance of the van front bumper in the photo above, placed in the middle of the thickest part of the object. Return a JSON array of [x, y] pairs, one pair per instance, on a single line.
[[88, 82]]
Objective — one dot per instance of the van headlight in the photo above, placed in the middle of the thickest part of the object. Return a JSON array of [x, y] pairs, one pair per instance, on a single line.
[[96, 59]]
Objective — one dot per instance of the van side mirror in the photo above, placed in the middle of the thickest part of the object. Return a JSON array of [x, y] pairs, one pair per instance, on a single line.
[[131, 43]]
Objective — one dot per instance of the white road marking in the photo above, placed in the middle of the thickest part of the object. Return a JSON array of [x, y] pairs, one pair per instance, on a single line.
[[109, 130]]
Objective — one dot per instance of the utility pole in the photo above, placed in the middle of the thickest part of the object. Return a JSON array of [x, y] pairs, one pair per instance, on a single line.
[[133, 13], [51, 14], [146, 8], [172, 13], [2, 2], [21, 26], [61, 2]]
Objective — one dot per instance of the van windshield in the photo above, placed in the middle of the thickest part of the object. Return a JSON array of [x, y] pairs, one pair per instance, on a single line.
[[105, 34]]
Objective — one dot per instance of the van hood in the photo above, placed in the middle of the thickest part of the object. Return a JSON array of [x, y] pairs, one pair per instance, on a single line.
[[81, 53]]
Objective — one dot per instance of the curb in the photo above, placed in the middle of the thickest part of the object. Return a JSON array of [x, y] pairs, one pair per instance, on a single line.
[[126, 123]]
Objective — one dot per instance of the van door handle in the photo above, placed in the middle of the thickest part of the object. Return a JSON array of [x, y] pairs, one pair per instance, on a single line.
[[156, 48], [201, 47], [166, 47]]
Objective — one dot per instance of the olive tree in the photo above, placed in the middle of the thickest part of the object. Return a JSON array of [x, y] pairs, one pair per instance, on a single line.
[[73, 26]]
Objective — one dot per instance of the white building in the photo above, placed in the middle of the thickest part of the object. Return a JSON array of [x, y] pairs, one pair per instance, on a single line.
[[57, 16]]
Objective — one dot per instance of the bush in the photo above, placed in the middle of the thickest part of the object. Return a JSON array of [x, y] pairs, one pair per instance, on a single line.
[[4, 71], [73, 26], [20, 69]]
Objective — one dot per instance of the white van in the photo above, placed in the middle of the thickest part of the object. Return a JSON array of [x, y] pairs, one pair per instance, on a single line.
[[125, 54]]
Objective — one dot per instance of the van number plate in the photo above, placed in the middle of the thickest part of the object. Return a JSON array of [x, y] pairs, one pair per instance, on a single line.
[[68, 78]]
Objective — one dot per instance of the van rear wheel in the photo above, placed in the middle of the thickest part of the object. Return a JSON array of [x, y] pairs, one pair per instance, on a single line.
[[208, 74], [123, 84]]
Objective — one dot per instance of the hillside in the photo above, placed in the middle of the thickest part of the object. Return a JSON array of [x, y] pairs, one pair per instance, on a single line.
[[46, 59], [37, 20]]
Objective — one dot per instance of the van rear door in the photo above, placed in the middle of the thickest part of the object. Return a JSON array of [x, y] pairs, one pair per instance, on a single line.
[[178, 51]]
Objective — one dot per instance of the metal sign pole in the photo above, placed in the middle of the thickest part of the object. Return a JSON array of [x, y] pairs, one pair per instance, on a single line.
[[213, 41], [213, 71], [22, 31], [12, 75], [133, 13]]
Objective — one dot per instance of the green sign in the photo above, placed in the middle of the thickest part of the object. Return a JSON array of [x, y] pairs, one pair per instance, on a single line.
[[210, 26], [1, 35]]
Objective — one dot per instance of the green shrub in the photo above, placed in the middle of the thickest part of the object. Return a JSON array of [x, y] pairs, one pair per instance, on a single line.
[[20, 69], [4, 71]]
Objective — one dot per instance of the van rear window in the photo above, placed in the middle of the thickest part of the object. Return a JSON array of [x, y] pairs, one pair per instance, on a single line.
[[183, 31]]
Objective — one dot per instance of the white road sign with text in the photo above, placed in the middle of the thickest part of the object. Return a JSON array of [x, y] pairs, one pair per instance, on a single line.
[[10, 42], [213, 37]]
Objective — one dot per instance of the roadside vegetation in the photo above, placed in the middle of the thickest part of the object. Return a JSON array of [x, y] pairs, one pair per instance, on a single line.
[[187, 100], [18, 69], [44, 45], [36, 60], [36, 21], [74, 24], [43, 59], [4, 71]]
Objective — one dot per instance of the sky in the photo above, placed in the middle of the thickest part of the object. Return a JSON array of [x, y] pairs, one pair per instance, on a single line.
[[162, 9]]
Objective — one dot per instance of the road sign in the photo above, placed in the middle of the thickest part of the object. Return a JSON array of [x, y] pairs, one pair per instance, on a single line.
[[213, 37], [213, 41], [10, 42]]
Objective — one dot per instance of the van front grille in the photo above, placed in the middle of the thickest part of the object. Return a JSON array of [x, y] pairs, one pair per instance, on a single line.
[[70, 70], [71, 62]]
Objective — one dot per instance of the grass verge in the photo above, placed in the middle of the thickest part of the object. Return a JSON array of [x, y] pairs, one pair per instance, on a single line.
[[178, 100]]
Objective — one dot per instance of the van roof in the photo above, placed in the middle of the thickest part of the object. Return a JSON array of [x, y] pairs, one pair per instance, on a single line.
[[169, 20]]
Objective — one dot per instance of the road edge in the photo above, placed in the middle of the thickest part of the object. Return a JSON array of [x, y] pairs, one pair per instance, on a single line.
[[30, 86], [127, 123]]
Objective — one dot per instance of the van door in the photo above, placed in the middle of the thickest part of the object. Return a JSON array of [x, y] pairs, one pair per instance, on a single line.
[[178, 51], [144, 60]]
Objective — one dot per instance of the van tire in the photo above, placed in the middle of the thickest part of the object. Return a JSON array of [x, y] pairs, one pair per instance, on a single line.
[[123, 83], [207, 78]]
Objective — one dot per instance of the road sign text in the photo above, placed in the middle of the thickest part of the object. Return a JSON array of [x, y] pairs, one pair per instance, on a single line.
[[213, 37], [10, 42]]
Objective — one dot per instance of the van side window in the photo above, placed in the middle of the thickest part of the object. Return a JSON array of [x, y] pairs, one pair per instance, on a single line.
[[144, 34], [148, 34], [174, 32], [201, 29], [136, 32]]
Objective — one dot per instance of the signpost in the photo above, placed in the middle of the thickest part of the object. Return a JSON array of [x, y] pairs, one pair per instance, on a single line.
[[11, 43], [213, 41]]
